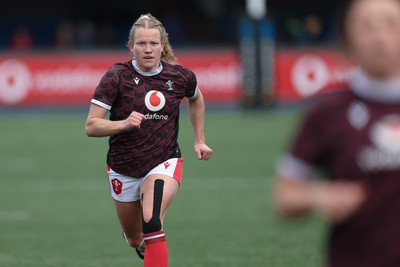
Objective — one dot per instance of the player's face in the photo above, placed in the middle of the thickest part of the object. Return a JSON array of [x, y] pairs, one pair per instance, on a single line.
[[147, 48], [373, 34]]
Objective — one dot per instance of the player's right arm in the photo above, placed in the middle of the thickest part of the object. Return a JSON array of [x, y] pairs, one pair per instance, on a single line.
[[97, 126], [104, 97], [334, 201], [297, 192]]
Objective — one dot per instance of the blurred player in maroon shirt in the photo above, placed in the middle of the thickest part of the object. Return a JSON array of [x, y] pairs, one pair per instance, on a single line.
[[353, 137], [144, 160]]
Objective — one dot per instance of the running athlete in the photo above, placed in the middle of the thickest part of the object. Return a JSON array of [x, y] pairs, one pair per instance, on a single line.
[[144, 161], [353, 137]]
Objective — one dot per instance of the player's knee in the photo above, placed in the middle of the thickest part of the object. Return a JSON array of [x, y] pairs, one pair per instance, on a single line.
[[153, 225], [135, 241], [151, 222]]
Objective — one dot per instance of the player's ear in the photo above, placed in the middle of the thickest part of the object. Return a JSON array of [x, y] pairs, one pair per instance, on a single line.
[[130, 45], [162, 46]]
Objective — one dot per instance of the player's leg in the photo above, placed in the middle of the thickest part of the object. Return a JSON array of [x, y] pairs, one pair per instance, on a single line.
[[157, 192], [130, 218], [126, 194]]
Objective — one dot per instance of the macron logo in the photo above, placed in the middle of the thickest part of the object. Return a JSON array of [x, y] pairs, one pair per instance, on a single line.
[[166, 165]]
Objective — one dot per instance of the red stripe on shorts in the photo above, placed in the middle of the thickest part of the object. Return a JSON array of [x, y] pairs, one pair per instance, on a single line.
[[178, 170]]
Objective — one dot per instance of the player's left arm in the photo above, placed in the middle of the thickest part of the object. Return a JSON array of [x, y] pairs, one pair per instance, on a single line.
[[196, 108]]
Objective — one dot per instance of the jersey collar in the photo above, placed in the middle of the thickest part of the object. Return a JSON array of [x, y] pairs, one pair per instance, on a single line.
[[143, 73], [382, 91]]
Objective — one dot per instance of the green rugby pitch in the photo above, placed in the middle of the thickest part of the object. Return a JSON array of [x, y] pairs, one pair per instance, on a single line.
[[55, 208]]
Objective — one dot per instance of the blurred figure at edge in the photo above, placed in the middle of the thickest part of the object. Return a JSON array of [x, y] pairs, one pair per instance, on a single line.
[[353, 136]]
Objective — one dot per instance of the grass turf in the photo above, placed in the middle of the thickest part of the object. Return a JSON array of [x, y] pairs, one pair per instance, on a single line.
[[55, 208]]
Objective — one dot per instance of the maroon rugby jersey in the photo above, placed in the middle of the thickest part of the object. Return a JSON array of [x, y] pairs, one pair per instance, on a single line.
[[157, 95], [355, 135]]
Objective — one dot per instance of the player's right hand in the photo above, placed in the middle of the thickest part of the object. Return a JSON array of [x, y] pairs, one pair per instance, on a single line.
[[339, 200], [134, 121]]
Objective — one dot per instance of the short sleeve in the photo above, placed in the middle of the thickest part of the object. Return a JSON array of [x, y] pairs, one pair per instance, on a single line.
[[309, 148], [191, 84], [107, 90], [309, 144]]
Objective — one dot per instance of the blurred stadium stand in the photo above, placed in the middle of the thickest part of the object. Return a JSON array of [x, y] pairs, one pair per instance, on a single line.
[[237, 59], [73, 24]]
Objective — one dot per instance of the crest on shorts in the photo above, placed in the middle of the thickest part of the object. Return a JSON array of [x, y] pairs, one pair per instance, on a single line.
[[117, 186]]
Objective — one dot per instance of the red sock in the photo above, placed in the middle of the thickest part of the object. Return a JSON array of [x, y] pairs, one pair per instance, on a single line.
[[156, 250]]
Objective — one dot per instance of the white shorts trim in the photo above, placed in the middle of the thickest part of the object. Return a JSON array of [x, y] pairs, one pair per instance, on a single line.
[[127, 189]]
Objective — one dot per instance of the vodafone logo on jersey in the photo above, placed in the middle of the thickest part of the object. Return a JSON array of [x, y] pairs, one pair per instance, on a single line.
[[154, 100], [386, 134], [384, 155]]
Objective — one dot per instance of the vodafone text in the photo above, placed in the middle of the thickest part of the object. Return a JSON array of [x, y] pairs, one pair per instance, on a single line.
[[155, 116]]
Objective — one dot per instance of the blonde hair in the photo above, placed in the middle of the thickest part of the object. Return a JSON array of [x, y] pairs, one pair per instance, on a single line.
[[148, 21]]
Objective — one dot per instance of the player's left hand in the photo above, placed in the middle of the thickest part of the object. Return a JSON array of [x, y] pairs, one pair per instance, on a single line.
[[203, 152], [339, 200]]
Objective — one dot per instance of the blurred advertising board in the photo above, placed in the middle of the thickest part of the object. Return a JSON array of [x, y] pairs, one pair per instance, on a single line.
[[69, 79], [301, 74]]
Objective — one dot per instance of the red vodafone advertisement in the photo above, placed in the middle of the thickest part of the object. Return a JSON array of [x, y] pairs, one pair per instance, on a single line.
[[70, 79], [302, 74]]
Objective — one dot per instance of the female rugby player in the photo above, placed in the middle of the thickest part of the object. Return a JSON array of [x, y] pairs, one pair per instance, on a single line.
[[353, 136], [144, 160]]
